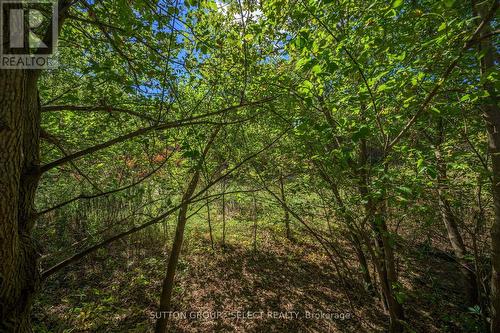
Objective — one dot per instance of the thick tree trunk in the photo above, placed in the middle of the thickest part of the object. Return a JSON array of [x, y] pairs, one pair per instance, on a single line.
[[493, 126], [19, 174]]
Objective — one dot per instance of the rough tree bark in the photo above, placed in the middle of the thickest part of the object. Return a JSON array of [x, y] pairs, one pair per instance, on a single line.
[[19, 175], [363, 263]]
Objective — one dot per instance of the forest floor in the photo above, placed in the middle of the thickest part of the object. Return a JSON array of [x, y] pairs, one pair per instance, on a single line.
[[280, 287]]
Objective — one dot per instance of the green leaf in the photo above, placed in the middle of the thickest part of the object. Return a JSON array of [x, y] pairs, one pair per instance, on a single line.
[[397, 3], [449, 3], [431, 171], [476, 309], [404, 190], [401, 57], [317, 69], [383, 87], [420, 163], [302, 63], [306, 87], [361, 133], [465, 98], [400, 297], [435, 110]]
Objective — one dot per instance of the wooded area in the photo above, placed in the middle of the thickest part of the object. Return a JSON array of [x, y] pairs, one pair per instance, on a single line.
[[252, 166]]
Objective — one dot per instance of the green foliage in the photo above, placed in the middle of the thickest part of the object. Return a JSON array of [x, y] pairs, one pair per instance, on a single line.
[[343, 90]]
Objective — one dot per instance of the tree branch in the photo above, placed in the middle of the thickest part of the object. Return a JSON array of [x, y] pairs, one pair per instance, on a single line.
[[45, 274], [142, 131], [445, 76], [52, 108]]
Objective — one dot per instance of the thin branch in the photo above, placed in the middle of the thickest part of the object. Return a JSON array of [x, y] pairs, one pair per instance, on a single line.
[[173, 124], [97, 195], [53, 108], [45, 274], [57, 143], [445, 76], [358, 67]]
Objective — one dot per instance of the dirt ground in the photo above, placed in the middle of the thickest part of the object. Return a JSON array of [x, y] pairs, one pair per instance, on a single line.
[[281, 287]]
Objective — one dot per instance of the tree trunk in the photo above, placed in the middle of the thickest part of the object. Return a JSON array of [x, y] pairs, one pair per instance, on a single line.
[[223, 213], [387, 271], [362, 261], [19, 175], [491, 113], [286, 215], [492, 117], [209, 218], [254, 223], [168, 282], [450, 222], [376, 211]]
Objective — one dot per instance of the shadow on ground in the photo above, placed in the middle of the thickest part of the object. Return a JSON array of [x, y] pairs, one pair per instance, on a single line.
[[281, 287]]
